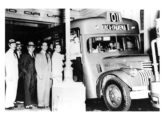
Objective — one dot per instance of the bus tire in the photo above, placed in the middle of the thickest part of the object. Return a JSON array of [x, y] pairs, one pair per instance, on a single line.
[[116, 95]]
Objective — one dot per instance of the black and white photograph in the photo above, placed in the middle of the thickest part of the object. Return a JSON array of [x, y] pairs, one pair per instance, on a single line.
[[81, 60], [109, 61], [35, 41]]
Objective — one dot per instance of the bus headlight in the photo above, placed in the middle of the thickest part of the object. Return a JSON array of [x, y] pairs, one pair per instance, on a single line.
[[155, 99]]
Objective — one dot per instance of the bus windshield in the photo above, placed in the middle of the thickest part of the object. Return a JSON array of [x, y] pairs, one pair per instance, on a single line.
[[112, 43]]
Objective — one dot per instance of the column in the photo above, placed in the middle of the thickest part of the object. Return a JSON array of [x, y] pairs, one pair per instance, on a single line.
[[68, 72]]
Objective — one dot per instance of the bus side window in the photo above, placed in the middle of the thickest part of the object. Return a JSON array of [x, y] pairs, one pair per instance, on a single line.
[[93, 46]]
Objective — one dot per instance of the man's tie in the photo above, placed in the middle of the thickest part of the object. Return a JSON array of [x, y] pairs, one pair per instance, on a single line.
[[32, 55], [46, 57]]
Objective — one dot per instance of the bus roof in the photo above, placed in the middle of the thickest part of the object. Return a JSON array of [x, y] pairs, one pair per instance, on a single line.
[[99, 25]]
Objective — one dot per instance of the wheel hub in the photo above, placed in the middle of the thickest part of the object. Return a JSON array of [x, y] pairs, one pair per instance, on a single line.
[[114, 95]]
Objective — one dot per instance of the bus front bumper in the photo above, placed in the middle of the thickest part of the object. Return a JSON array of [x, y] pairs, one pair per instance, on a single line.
[[139, 92]]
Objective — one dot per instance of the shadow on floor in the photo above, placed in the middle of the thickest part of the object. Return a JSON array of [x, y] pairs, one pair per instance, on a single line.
[[136, 105]]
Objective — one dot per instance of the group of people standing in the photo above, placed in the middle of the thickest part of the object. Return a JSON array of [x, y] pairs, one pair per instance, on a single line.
[[37, 72]]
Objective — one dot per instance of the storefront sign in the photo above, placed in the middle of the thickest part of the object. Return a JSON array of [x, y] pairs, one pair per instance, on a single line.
[[44, 15]]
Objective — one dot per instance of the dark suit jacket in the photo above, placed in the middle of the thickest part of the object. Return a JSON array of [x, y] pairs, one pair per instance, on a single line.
[[27, 66]]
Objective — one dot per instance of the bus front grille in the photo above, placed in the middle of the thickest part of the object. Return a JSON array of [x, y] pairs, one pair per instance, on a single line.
[[145, 76]]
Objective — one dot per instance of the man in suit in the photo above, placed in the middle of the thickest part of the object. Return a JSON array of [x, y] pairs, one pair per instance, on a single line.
[[11, 69], [27, 66], [43, 68], [20, 90]]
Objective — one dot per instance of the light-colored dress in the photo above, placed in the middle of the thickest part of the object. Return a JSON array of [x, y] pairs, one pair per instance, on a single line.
[[57, 67]]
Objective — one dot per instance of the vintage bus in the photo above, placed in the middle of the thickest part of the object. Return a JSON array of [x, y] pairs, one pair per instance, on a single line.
[[114, 66]]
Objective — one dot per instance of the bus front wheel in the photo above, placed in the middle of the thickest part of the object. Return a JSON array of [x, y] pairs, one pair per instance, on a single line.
[[117, 96]]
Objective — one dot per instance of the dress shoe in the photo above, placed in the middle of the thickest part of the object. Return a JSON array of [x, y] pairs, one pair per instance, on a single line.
[[28, 107], [31, 106], [9, 108], [41, 107], [15, 106]]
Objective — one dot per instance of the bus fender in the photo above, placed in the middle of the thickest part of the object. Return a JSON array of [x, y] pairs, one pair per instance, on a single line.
[[107, 76]]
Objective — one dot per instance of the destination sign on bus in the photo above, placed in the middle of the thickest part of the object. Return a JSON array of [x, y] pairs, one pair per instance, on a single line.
[[115, 27]]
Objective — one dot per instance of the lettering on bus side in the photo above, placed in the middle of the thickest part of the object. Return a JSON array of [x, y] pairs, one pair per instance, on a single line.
[[115, 27]]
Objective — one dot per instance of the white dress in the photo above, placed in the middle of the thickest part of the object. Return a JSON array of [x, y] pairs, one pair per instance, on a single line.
[[57, 66]]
